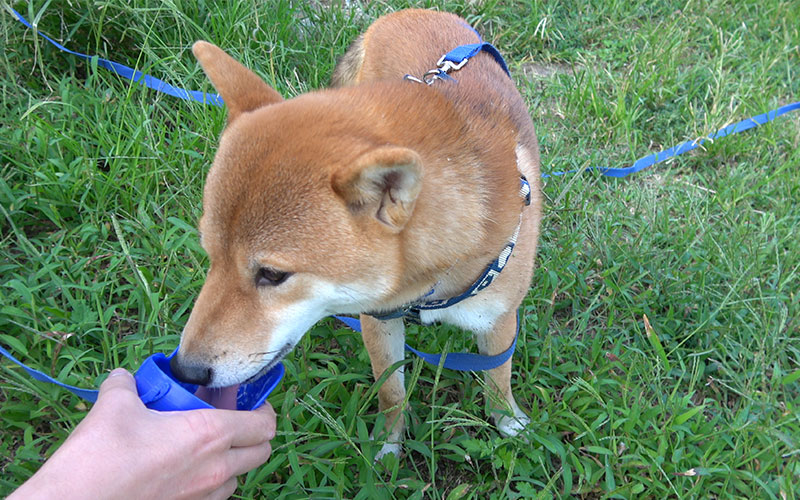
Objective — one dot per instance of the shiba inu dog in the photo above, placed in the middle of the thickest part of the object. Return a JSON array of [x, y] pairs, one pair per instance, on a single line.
[[362, 199]]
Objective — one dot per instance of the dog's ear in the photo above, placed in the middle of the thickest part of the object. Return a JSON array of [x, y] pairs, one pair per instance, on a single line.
[[382, 183], [241, 89]]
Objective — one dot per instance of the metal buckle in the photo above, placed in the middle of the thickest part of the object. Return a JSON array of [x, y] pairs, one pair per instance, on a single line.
[[447, 66], [413, 316]]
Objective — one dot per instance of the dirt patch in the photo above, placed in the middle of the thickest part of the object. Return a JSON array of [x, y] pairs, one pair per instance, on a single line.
[[537, 70]]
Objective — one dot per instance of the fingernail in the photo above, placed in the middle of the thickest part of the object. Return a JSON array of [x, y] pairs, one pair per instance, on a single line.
[[116, 372]]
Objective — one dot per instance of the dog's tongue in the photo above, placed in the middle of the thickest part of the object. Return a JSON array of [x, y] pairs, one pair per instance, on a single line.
[[223, 398]]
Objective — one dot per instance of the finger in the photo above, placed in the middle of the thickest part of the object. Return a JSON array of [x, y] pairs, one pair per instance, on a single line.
[[225, 491], [119, 377], [241, 460], [269, 412], [118, 380], [247, 428]]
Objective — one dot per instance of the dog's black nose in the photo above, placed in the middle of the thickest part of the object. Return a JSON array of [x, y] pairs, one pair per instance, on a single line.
[[190, 373]]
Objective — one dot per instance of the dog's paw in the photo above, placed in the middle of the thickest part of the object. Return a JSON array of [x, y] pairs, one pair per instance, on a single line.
[[511, 425], [392, 446], [387, 448]]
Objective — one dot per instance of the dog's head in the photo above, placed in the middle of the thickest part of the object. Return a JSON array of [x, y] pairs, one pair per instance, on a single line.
[[303, 214]]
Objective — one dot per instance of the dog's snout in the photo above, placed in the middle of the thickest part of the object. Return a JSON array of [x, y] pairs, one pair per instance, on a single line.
[[190, 373]]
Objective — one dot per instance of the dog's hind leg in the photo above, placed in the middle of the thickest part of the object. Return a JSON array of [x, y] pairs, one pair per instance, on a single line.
[[507, 415], [385, 343]]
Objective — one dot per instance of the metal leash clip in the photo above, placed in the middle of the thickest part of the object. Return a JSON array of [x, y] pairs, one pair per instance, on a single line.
[[438, 73]]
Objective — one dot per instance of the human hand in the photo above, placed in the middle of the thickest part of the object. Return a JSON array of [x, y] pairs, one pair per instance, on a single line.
[[124, 450]]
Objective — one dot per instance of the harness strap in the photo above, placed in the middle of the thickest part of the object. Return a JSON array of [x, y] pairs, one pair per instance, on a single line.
[[412, 311], [460, 361]]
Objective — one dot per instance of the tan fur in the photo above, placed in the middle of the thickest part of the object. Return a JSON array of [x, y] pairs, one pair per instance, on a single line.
[[234, 79], [370, 194], [349, 65]]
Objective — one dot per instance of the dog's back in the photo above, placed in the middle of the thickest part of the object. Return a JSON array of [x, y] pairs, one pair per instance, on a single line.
[[412, 41]]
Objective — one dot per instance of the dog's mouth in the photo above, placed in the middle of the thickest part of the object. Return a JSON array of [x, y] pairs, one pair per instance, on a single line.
[[269, 366], [225, 397]]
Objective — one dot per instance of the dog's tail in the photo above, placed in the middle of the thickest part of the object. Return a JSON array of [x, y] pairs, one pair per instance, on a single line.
[[349, 66]]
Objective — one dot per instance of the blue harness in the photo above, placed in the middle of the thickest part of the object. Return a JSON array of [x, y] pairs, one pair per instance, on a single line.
[[461, 361], [412, 311]]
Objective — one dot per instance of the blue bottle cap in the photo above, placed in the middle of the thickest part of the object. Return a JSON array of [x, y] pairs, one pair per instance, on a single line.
[[160, 390]]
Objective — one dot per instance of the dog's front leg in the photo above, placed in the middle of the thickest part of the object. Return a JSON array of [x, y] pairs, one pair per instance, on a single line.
[[385, 342], [507, 415]]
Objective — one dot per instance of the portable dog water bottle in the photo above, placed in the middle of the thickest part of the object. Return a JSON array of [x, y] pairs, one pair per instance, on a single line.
[[160, 390]]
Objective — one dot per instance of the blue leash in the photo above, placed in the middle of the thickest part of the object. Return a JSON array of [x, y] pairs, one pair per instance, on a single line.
[[132, 74], [453, 60], [87, 394], [684, 147], [460, 361], [454, 57]]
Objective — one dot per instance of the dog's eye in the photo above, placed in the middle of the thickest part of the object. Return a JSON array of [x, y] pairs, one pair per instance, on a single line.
[[270, 277]]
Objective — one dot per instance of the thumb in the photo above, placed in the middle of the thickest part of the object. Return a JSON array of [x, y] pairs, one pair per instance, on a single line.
[[118, 380], [267, 410]]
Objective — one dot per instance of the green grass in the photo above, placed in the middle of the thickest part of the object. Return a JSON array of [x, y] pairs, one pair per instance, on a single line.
[[100, 189]]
